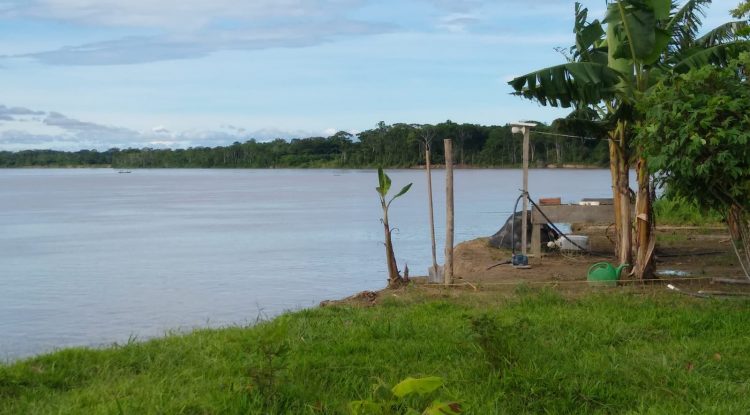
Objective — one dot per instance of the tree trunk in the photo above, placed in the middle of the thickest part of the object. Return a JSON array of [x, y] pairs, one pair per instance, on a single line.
[[614, 170], [621, 194], [739, 231], [734, 221], [432, 215], [394, 278], [623, 187], [644, 222]]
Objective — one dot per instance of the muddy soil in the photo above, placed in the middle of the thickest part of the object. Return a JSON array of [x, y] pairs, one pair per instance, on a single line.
[[686, 257], [689, 258]]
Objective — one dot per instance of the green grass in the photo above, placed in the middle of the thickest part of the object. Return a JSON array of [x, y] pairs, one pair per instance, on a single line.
[[673, 211], [534, 353]]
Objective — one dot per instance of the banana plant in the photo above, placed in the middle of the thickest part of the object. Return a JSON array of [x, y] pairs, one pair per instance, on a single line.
[[384, 185], [613, 62]]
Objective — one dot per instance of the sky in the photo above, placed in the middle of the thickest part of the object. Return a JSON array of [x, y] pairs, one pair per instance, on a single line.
[[97, 74]]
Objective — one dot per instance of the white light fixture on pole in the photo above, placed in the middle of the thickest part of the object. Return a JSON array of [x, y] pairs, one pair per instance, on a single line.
[[525, 128]]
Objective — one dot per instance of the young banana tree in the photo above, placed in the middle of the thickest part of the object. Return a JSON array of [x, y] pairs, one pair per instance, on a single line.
[[384, 182], [613, 63]]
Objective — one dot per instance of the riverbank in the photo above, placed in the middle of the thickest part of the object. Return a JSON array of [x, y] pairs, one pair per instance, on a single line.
[[535, 350], [504, 341]]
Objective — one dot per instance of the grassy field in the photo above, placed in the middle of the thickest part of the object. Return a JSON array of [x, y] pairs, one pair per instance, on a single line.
[[678, 212], [535, 352]]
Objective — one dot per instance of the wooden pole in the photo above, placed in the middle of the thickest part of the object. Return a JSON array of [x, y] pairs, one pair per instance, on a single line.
[[432, 215], [448, 272], [524, 216]]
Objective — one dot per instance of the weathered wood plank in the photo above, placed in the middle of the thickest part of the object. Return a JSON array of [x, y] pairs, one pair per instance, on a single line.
[[536, 240], [574, 214]]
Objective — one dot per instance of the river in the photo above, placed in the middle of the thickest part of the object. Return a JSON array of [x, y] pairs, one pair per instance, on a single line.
[[92, 257]]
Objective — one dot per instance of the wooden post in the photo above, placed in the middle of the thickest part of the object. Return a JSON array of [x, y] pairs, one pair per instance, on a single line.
[[432, 216], [536, 238], [524, 216], [448, 272]]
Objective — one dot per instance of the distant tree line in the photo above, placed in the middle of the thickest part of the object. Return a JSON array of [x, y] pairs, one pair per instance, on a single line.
[[397, 145]]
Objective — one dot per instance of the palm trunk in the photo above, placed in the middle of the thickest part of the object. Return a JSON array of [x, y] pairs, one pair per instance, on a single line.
[[645, 238]]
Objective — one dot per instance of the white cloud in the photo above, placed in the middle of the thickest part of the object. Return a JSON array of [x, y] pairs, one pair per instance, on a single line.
[[458, 22], [16, 113], [60, 132], [188, 29], [457, 5], [510, 6], [55, 119], [183, 29], [163, 143], [175, 15], [234, 128], [142, 49]]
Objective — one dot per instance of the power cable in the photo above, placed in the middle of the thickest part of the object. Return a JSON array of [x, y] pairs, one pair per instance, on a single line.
[[564, 135]]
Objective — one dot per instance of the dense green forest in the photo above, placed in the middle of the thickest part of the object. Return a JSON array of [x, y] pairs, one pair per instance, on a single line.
[[397, 145]]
